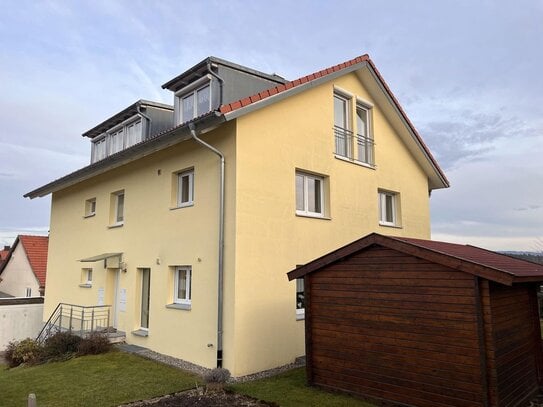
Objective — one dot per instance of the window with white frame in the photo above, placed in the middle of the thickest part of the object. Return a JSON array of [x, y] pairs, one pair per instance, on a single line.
[[364, 139], [117, 210], [28, 292], [182, 285], [193, 100], [90, 207], [185, 188], [300, 297], [309, 194], [342, 132], [118, 138], [86, 277], [388, 208]]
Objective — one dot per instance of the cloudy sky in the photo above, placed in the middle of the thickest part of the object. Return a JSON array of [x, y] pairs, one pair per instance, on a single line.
[[468, 73]]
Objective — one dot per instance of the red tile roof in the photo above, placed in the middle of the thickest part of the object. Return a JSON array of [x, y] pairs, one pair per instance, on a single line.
[[487, 258], [470, 259], [3, 255], [230, 107], [36, 252]]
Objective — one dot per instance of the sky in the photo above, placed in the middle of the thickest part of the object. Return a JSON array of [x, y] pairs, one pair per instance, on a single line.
[[467, 72]]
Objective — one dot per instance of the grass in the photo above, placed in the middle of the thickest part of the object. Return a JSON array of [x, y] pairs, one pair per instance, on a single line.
[[290, 389], [99, 380]]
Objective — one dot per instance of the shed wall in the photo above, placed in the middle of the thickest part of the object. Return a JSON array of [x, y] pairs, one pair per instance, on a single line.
[[385, 325], [516, 343]]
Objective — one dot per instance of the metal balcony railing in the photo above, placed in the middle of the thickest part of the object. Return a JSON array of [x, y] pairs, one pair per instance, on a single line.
[[77, 319], [364, 146]]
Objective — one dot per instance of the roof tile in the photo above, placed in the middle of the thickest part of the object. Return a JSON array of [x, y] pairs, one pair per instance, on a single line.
[[36, 251]]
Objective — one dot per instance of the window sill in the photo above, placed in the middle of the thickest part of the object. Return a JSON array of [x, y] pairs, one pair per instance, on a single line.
[[387, 225], [86, 285], [116, 225], [181, 206], [186, 307], [90, 215], [141, 332], [305, 215], [355, 162]]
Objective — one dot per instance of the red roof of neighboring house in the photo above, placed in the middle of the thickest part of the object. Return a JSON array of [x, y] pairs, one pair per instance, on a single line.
[[470, 259], [35, 248], [230, 107], [4, 254]]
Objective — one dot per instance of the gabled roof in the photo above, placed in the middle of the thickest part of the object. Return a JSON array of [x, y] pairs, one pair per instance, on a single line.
[[35, 248], [261, 99], [469, 259]]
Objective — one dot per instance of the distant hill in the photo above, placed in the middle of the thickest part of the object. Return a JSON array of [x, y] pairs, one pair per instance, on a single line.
[[530, 256]]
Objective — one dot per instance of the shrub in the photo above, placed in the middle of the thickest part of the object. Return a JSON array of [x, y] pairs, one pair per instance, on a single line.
[[60, 344], [217, 375], [25, 351], [94, 344]]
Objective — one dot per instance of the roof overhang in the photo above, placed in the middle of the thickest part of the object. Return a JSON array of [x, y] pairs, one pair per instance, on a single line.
[[100, 257], [159, 142]]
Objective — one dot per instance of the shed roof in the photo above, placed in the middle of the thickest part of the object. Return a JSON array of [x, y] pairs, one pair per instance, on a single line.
[[35, 248], [470, 259]]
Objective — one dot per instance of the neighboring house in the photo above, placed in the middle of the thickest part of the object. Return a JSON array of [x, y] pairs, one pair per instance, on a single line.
[[198, 274], [424, 323], [23, 272], [3, 254]]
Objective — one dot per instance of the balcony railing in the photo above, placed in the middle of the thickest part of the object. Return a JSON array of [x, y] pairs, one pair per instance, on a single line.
[[344, 146]]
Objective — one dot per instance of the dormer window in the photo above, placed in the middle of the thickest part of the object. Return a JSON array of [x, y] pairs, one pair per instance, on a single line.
[[118, 138], [193, 100]]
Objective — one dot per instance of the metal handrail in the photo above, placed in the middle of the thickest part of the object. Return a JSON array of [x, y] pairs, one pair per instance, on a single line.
[[344, 145], [66, 317]]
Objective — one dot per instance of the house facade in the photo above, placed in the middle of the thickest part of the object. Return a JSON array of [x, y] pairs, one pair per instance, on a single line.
[[308, 165], [23, 271]]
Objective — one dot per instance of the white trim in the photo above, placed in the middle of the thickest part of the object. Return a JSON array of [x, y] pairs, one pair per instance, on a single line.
[[188, 284], [180, 176], [191, 89], [193, 85], [306, 212], [383, 208], [343, 93]]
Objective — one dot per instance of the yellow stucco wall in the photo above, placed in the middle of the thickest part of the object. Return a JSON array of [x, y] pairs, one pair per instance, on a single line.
[[153, 236], [272, 143], [264, 237]]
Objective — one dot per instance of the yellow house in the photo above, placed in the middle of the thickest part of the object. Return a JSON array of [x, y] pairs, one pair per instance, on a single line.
[[188, 217]]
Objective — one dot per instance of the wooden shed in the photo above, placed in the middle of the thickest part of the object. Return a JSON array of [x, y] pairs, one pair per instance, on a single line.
[[415, 322]]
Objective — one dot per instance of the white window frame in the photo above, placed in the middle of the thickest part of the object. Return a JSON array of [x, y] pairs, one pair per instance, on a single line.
[[28, 292], [383, 208], [369, 134], [180, 175], [95, 142], [116, 195], [90, 207], [300, 312], [192, 90], [347, 143], [305, 211], [188, 275], [119, 128]]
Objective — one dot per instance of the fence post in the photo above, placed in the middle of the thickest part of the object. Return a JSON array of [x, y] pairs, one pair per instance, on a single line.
[[107, 327], [32, 400], [92, 321], [60, 318], [82, 320], [71, 315]]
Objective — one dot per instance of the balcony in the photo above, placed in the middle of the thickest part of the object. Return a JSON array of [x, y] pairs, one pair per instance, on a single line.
[[353, 147]]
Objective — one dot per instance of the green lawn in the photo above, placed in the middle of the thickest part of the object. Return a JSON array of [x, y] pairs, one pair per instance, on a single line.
[[289, 389], [101, 380]]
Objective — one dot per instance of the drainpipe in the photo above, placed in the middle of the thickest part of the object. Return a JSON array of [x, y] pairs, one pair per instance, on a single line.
[[221, 243], [148, 121]]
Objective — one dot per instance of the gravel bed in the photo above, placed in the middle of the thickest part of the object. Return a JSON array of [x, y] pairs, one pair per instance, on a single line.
[[199, 370]]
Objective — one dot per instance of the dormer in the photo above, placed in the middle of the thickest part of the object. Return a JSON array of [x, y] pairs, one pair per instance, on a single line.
[[135, 124], [214, 82]]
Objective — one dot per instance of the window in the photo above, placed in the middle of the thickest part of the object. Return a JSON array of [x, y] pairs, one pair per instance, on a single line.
[[309, 195], [194, 100], [388, 208], [90, 207], [185, 188], [86, 277], [117, 211], [118, 138], [364, 140], [182, 285], [300, 297], [343, 135], [28, 292], [145, 297]]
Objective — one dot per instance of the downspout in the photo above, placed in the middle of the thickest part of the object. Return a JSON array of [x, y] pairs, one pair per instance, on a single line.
[[148, 121], [221, 243]]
